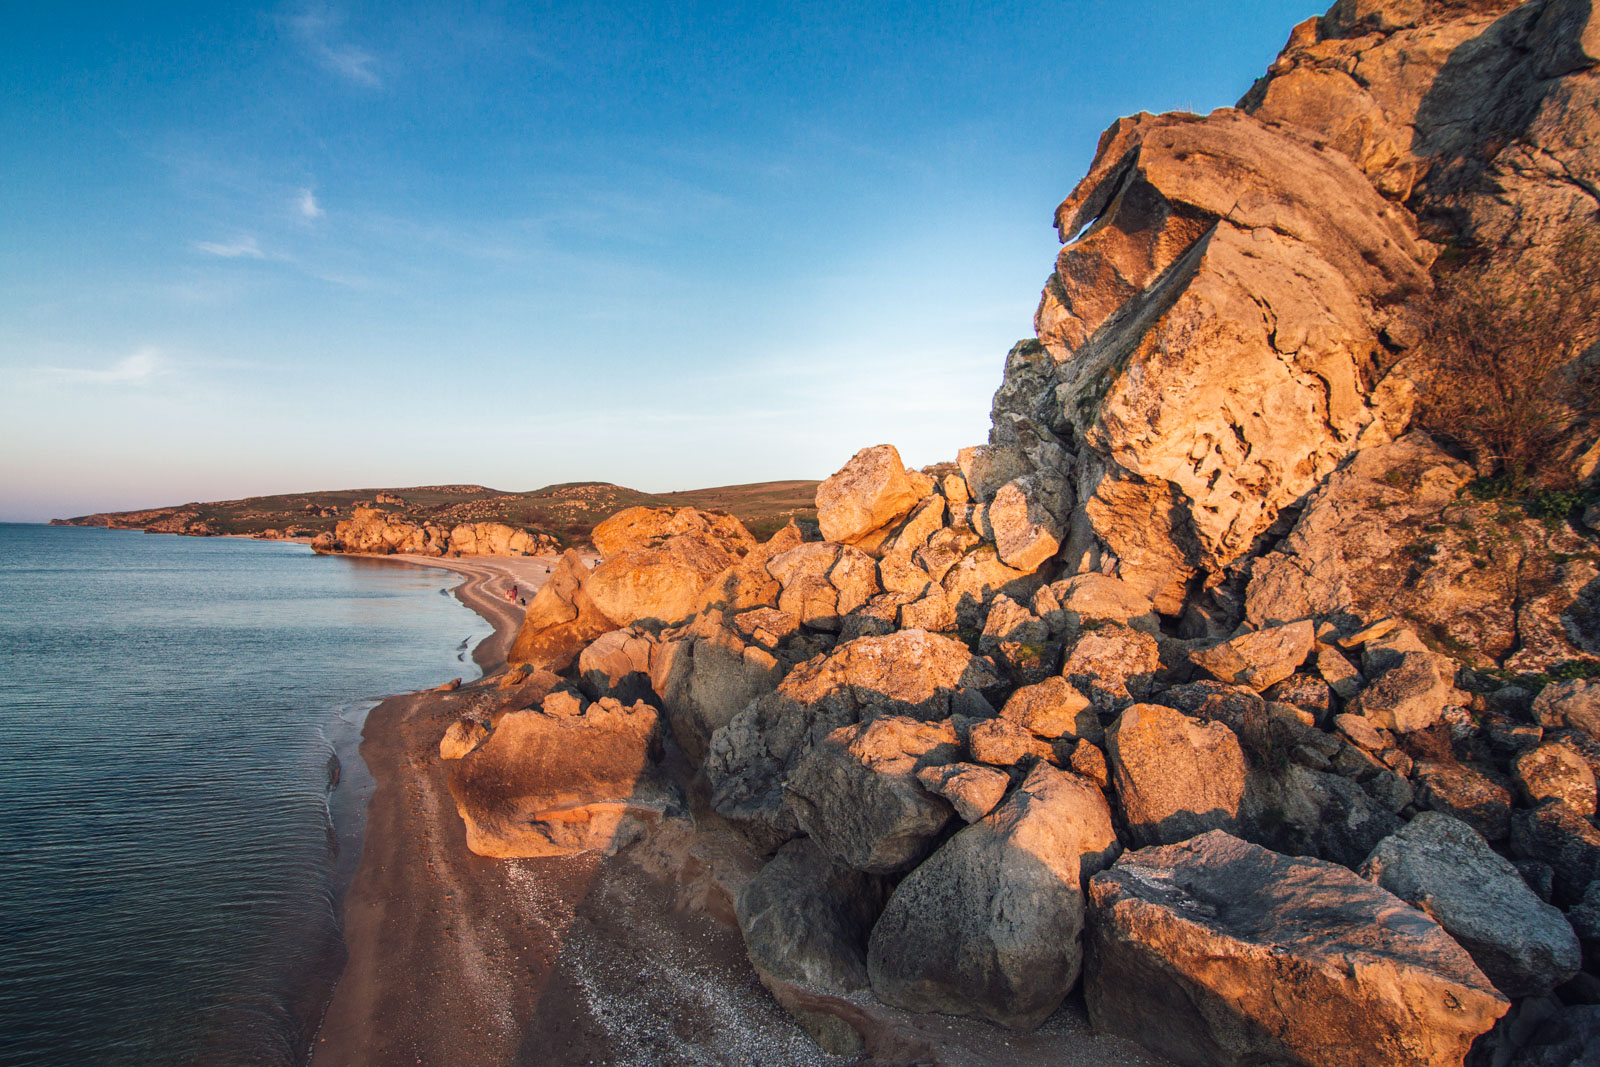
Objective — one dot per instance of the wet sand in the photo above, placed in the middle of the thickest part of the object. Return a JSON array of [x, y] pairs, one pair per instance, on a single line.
[[459, 959]]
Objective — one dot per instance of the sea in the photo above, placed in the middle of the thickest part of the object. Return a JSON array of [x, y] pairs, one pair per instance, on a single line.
[[180, 791]]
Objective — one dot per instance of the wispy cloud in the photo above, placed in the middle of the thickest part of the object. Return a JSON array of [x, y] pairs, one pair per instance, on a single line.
[[307, 205], [243, 248], [141, 368], [316, 31]]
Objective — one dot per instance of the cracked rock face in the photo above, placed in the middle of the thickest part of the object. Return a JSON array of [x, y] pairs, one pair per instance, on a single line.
[[1210, 340]]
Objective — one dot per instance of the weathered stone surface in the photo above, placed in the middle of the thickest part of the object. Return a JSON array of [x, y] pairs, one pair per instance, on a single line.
[[866, 494], [1068, 604], [1053, 708], [1175, 777], [379, 532], [1192, 945], [461, 737], [926, 519], [561, 619], [977, 578], [1027, 519], [1408, 697], [641, 527], [663, 581], [1555, 834], [1468, 794], [1228, 385], [823, 582], [1090, 762], [856, 792], [989, 925], [1010, 621], [1444, 867], [987, 468], [921, 675], [932, 612], [1002, 743], [806, 919], [1304, 691], [1113, 666], [746, 584], [617, 664], [1555, 772], [550, 785], [707, 675], [1306, 812], [1574, 703], [1260, 659], [1389, 534], [1340, 674], [972, 790]]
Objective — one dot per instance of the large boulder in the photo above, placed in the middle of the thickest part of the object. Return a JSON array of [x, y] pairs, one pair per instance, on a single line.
[[1556, 835], [989, 925], [661, 582], [910, 672], [635, 528], [1112, 665], [857, 795], [1444, 867], [1070, 603], [1306, 812], [806, 919], [561, 619], [1053, 709], [1555, 771], [867, 494], [1175, 776], [1194, 946], [552, 783]]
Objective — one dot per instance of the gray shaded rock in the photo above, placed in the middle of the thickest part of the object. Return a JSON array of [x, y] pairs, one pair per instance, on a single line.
[[1570, 1039], [989, 925], [1555, 834], [1192, 946], [856, 793], [1306, 812], [806, 919], [1444, 867], [1175, 777], [910, 672]]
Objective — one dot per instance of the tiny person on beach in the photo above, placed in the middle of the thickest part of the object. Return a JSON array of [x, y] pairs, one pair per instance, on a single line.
[[511, 594]]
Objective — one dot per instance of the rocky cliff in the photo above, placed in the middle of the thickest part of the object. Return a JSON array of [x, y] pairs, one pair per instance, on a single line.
[[1211, 685]]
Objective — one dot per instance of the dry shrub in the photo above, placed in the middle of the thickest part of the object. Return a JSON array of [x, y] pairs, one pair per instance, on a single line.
[[1503, 370]]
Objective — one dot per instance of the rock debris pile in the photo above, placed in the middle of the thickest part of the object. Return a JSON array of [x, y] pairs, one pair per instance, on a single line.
[[1204, 686]]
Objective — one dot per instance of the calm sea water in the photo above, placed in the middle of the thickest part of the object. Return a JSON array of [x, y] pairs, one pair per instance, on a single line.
[[174, 713]]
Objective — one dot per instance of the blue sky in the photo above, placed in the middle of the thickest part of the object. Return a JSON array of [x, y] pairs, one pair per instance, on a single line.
[[250, 249]]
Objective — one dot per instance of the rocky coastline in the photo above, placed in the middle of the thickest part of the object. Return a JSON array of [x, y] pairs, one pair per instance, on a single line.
[[1218, 709]]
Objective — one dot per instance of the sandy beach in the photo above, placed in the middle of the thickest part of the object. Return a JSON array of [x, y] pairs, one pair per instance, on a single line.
[[631, 959], [458, 959]]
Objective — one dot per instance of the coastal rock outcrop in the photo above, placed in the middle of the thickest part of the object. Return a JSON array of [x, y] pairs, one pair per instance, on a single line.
[[374, 530]]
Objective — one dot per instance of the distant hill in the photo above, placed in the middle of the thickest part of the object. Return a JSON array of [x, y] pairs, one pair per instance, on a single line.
[[567, 511]]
